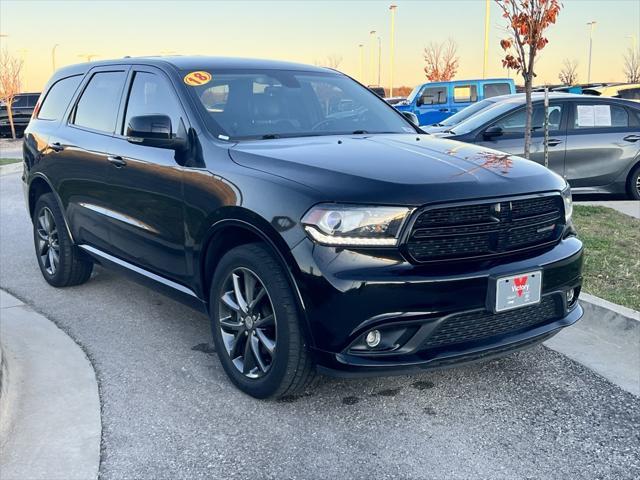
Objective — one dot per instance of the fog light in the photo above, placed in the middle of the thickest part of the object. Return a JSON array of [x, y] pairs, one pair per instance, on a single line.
[[373, 338], [571, 295]]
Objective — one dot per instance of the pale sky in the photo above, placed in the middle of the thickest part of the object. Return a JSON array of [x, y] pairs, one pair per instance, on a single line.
[[308, 31]]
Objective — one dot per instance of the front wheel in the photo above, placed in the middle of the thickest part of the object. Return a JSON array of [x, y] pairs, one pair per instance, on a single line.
[[255, 325]]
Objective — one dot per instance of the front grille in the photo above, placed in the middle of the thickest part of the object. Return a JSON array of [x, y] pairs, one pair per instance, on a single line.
[[474, 326], [486, 229]]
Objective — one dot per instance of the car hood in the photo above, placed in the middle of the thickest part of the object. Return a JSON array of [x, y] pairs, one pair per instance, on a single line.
[[395, 169]]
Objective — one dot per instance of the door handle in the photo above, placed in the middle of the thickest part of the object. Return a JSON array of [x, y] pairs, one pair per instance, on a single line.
[[56, 147], [116, 160], [444, 109], [632, 138], [554, 141]]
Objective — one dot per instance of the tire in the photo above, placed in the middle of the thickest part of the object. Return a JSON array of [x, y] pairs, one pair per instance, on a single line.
[[51, 240], [289, 370], [633, 184]]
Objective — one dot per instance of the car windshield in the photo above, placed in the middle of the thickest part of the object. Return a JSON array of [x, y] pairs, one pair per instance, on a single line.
[[486, 115], [466, 113], [265, 104]]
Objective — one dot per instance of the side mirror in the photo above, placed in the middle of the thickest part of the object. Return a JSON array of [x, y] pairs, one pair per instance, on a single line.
[[412, 117], [492, 132], [152, 131]]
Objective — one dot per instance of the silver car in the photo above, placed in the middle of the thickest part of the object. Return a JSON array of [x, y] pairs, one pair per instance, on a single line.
[[594, 142]]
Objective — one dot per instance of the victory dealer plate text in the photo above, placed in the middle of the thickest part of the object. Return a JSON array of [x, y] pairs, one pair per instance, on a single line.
[[518, 290]]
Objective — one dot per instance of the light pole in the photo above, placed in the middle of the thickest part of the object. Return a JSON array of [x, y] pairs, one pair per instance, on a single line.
[[372, 40], [393, 9], [361, 48], [379, 58], [53, 56], [486, 37], [591, 25], [88, 56]]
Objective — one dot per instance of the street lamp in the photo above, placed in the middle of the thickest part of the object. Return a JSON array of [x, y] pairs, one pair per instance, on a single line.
[[88, 56], [372, 34], [53, 56], [392, 8], [591, 25], [379, 58], [361, 47], [486, 38]]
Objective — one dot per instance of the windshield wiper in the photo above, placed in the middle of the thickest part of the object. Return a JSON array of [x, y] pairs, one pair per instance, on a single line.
[[270, 136]]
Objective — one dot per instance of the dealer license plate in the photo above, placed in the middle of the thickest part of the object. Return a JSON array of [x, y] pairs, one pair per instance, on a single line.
[[518, 291]]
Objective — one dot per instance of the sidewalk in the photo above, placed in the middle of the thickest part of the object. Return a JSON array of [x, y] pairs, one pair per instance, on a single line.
[[628, 207], [50, 424]]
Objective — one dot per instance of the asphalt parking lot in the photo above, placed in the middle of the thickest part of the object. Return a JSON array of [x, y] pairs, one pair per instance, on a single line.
[[168, 410]]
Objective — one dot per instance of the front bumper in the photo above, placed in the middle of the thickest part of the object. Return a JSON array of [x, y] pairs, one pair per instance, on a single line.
[[346, 293]]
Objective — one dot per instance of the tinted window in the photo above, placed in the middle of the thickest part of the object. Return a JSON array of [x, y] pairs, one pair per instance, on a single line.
[[600, 116], [467, 112], [630, 93], [465, 93], [515, 123], [58, 98], [495, 89], [33, 99], [20, 101], [434, 96], [256, 103], [152, 95], [98, 106]]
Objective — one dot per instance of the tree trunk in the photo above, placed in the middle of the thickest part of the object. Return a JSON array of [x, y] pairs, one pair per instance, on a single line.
[[10, 113], [528, 80]]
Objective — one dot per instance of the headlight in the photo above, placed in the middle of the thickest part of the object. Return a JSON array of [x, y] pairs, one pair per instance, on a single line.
[[568, 203], [351, 225]]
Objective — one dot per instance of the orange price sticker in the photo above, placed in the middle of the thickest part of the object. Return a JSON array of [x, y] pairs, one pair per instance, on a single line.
[[197, 78]]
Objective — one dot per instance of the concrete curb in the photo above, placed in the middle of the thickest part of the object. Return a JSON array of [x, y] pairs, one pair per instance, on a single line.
[[11, 168], [606, 340], [50, 424]]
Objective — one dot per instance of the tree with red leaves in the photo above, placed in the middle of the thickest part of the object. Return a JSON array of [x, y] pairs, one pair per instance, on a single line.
[[527, 21]]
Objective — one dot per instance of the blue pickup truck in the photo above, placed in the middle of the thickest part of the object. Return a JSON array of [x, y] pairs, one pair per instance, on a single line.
[[433, 102]]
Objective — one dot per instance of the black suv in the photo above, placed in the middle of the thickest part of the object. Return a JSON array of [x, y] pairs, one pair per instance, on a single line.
[[21, 110], [317, 226]]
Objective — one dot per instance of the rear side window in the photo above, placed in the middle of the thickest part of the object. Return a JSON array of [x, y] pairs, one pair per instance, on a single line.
[[434, 96], [495, 89], [19, 101], [58, 98], [97, 108], [465, 93], [600, 116]]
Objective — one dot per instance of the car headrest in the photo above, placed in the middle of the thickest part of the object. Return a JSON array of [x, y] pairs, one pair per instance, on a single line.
[[554, 117], [265, 107]]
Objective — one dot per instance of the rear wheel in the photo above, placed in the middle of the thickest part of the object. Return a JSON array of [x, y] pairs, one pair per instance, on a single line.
[[255, 325], [633, 184], [61, 263]]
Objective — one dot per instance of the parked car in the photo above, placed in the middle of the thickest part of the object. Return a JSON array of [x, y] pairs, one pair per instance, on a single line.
[[316, 239], [377, 90], [594, 141], [628, 91], [463, 114], [433, 102], [395, 100], [21, 108]]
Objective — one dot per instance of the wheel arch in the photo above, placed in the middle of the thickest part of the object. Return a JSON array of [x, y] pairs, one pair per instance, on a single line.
[[38, 186], [241, 228]]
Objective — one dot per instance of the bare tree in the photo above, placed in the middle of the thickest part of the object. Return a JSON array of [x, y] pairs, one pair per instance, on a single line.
[[441, 60], [632, 66], [331, 61], [569, 73], [10, 68], [527, 21]]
